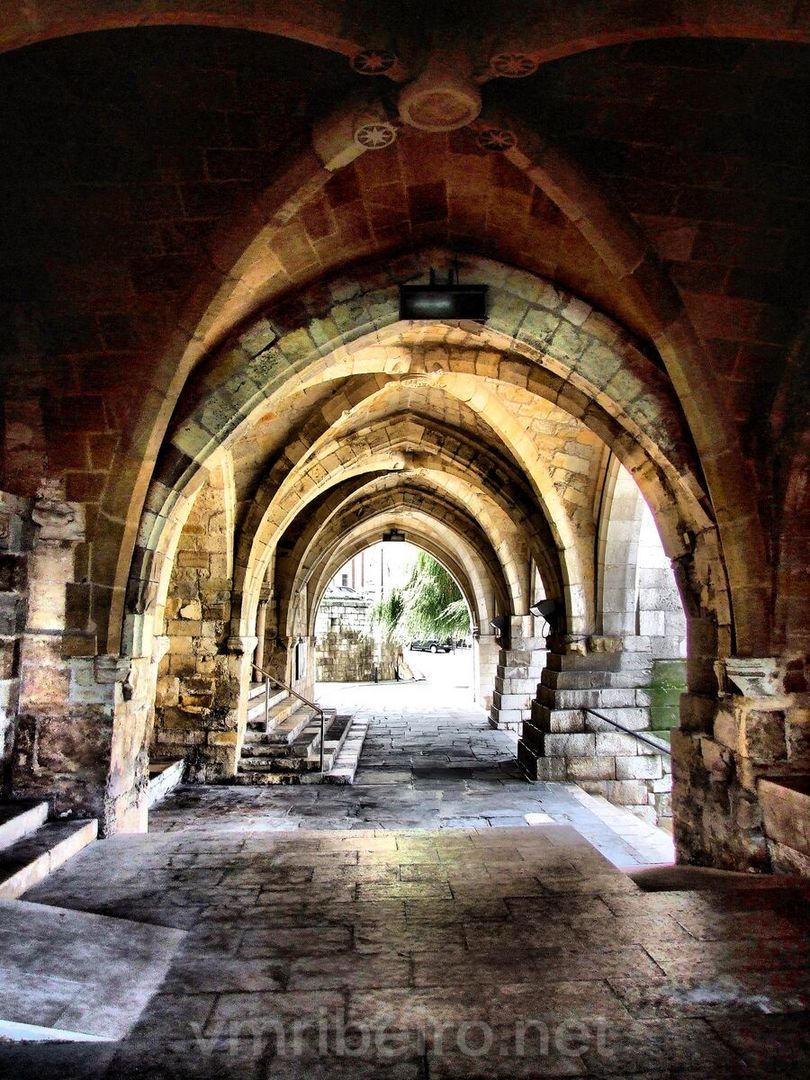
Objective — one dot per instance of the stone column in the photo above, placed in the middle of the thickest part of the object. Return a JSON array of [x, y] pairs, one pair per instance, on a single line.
[[15, 545], [738, 757], [84, 720], [64, 728], [560, 741], [518, 673], [216, 707], [486, 652], [261, 629]]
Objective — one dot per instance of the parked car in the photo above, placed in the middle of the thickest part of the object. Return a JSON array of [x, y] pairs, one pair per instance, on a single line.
[[430, 646]]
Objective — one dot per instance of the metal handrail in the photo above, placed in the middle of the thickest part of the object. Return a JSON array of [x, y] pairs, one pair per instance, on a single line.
[[656, 744], [268, 678]]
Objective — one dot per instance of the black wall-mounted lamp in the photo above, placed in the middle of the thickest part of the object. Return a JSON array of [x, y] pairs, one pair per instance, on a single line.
[[545, 609], [500, 624]]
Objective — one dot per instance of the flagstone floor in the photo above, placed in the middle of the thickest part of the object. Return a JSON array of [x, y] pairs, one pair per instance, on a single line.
[[419, 927], [429, 761]]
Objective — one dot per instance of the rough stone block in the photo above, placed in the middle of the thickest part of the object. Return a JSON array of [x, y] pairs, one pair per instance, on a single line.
[[798, 737], [590, 768], [626, 792], [533, 738], [549, 768], [570, 745], [786, 811], [763, 736], [616, 742], [640, 767]]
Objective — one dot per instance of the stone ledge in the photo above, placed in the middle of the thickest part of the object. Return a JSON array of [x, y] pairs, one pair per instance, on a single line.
[[786, 809]]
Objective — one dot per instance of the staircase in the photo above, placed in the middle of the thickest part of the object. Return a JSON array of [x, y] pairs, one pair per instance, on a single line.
[[31, 846], [285, 748]]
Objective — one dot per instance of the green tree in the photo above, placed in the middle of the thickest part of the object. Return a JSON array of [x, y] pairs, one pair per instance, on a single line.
[[388, 613], [429, 606]]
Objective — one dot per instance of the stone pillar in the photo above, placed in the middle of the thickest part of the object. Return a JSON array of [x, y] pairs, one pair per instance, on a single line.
[[560, 741], [67, 703], [518, 672], [734, 754], [261, 629], [15, 545], [304, 647], [486, 653], [207, 723], [83, 720]]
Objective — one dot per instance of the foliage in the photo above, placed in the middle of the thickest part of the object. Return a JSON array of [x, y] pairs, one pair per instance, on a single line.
[[429, 606], [388, 612]]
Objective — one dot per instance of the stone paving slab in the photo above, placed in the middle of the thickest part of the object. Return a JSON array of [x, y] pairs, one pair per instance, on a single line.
[[543, 960], [81, 973], [366, 932]]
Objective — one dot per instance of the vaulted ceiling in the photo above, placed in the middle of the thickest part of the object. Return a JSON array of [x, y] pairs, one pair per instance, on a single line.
[[172, 191]]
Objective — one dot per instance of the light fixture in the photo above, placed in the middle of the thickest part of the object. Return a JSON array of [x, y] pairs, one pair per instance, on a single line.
[[443, 300], [545, 609], [394, 536], [500, 624]]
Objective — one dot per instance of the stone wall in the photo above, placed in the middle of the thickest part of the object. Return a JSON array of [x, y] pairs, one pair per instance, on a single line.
[[757, 729], [82, 716], [562, 741], [197, 705], [517, 674], [352, 656], [342, 611], [15, 545]]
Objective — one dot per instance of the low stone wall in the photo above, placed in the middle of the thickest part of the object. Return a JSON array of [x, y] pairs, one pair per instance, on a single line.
[[786, 820], [736, 756], [352, 656]]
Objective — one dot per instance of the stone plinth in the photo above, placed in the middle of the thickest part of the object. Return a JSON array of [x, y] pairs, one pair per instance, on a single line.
[[561, 740], [517, 674], [786, 821]]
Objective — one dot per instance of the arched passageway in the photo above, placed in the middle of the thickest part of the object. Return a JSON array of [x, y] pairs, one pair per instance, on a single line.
[[213, 398]]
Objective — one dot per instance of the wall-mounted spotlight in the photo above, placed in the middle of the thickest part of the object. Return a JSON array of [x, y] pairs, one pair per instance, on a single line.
[[394, 536], [545, 609], [500, 624]]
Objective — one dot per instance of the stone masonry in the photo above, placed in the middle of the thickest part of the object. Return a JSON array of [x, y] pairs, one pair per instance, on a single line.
[[561, 741]]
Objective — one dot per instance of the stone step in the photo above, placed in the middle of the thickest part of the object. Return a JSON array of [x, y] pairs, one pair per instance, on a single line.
[[164, 776], [334, 737], [288, 729], [593, 699], [348, 759], [255, 711], [513, 684], [24, 864], [283, 764], [295, 748], [300, 761], [278, 714], [19, 818], [616, 661], [596, 680], [75, 977], [256, 693]]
